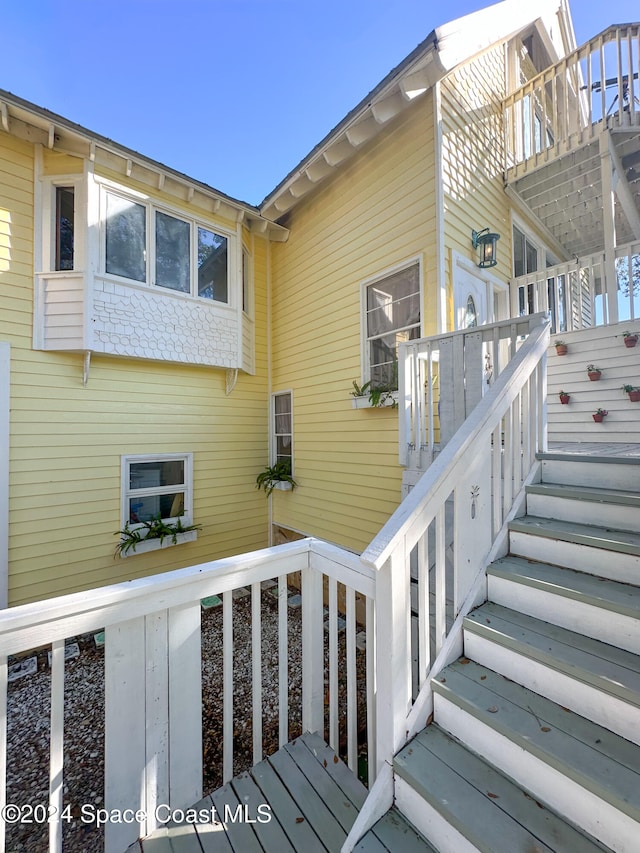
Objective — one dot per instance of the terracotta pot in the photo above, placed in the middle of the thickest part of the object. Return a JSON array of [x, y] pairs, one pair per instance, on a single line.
[[634, 396], [594, 375], [564, 399], [630, 341], [598, 418], [561, 349]]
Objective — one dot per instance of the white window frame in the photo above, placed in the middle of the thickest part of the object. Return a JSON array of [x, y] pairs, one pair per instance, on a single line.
[[127, 492], [46, 251], [246, 281], [365, 358], [151, 207], [273, 450]]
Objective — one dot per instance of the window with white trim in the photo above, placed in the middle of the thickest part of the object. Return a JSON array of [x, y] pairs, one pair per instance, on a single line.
[[392, 316], [145, 244], [157, 486], [282, 438]]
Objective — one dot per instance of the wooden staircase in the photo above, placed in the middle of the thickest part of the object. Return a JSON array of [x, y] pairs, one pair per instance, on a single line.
[[534, 741]]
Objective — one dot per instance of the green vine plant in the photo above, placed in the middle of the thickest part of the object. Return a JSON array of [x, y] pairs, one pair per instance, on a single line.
[[378, 394], [155, 528], [273, 474]]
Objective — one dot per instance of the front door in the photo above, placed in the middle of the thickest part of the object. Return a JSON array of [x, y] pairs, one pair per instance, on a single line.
[[470, 300]]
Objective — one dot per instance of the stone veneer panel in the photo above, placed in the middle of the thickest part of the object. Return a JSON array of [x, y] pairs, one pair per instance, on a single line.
[[139, 323]]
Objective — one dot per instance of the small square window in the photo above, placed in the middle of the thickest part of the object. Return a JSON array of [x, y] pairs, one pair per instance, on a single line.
[[157, 487]]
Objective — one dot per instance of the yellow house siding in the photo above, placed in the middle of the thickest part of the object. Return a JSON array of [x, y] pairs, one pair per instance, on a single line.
[[67, 440], [472, 160], [377, 213]]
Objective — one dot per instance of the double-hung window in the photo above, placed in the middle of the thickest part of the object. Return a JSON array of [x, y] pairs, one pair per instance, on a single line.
[[282, 440], [158, 486], [392, 316], [151, 246]]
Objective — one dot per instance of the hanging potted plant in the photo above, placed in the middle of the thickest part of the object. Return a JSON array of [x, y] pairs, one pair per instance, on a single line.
[[593, 372], [599, 415], [633, 391], [561, 348], [564, 397], [630, 339], [276, 476]]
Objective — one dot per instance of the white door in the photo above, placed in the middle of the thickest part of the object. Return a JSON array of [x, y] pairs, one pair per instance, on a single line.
[[470, 300]]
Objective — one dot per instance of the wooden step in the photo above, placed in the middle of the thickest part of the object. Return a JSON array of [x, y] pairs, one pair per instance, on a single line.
[[610, 472], [585, 504], [602, 551], [465, 804], [575, 767], [594, 679], [596, 607], [391, 834]]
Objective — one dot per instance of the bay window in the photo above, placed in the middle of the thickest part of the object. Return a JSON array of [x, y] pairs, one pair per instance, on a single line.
[[184, 255]]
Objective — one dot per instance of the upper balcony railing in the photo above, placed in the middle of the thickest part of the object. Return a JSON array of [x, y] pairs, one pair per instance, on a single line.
[[578, 295], [566, 105]]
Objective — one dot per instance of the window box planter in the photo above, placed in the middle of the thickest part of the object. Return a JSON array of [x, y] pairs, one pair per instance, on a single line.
[[283, 486], [389, 401], [155, 544]]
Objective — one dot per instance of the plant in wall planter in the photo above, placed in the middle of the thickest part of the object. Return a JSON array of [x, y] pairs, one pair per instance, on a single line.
[[630, 340], [155, 533], [599, 415], [564, 397], [633, 391], [593, 372], [370, 396], [561, 348], [276, 476]]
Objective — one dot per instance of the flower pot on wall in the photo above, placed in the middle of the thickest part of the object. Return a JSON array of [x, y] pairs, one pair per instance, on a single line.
[[598, 418], [561, 349], [594, 375], [564, 399], [634, 396], [630, 341]]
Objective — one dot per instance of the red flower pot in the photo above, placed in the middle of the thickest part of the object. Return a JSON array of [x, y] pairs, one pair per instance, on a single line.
[[564, 399], [598, 418], [634, 396], [561, 349], [594, 375], [630, 341]]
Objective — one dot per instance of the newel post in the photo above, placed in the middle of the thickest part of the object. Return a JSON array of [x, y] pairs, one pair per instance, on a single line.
[[393, 655], [312, 652]]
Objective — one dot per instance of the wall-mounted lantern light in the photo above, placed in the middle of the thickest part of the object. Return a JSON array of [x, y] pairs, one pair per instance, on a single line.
[[485, 241]]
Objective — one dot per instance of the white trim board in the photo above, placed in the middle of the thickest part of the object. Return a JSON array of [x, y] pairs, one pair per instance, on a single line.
[[5, 385]]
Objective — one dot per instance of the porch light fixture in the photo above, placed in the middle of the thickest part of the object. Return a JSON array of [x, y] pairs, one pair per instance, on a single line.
[[485, 240]]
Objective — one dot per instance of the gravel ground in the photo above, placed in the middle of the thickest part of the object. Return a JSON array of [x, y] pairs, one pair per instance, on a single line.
[[28, 721]]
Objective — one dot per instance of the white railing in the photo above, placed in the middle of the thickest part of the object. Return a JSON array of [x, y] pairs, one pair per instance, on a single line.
[[443, 378], [577, 294], [594, 87], [446, 531], [153, 676]]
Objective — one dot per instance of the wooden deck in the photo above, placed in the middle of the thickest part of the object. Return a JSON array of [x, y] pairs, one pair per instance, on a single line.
[[303, 798]]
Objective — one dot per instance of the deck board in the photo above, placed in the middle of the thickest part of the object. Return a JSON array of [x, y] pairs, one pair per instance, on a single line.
[[314, 799]]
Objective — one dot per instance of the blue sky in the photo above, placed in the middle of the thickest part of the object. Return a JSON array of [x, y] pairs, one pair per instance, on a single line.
[[233, 92]]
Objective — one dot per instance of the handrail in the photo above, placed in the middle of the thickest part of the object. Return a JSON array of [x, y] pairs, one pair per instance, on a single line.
[[433, 483]]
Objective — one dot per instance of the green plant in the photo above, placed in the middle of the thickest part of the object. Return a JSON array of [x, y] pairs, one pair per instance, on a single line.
[[591, 368], [629, 335], [272, 474], [602, 412], [155, 528], [629, 388], [378, 394]]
